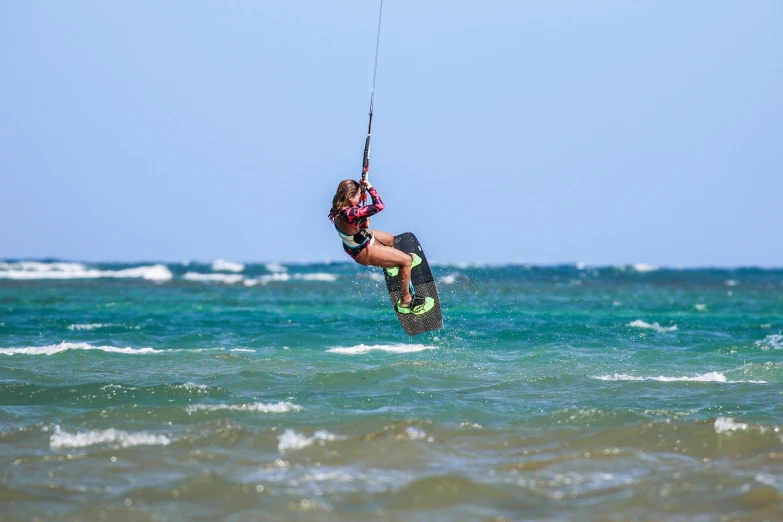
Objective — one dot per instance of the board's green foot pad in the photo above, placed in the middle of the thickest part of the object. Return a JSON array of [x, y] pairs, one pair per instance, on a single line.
[[428, 304], [394, 271]]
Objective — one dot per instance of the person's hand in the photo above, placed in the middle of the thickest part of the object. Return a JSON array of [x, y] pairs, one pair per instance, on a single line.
[[366, 184]]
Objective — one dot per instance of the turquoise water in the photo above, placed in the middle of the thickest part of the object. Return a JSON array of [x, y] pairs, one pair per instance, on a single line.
[[269, 392]]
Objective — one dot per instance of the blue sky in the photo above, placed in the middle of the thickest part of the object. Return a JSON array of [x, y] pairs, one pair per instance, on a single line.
[[505, 131]]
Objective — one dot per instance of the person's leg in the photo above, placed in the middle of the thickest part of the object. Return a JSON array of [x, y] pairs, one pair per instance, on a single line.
[[388, 239], [388, 257], [384, 237]]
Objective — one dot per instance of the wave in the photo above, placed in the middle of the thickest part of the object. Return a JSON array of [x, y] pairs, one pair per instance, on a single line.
[[392, 348], [450, 279], [282, 277], [113, 437], [221, 265], [33, 270], [258, 407], [644, 267], [64, 346], [94, 326], [412, 433], [275, 268], [730, 425], [291, 440], [774, 341], [191, 386], [707, 377], [655, 326], [214, 278]]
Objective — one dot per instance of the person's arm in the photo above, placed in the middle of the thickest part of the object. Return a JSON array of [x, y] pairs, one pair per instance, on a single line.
[[355, 214]]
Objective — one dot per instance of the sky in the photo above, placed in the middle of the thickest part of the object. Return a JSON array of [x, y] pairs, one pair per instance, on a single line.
[[505, 131]]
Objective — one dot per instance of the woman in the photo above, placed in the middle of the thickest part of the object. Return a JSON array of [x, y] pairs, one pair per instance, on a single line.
[[374, 247]]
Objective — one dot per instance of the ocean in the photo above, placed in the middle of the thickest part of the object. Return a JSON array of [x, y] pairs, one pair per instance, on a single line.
[[223, 391]]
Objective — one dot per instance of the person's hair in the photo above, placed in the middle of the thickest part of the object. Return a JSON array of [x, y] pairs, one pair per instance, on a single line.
[[345, 191]]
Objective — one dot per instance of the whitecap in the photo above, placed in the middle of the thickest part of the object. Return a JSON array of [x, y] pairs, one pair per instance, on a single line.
[[113, 437], [413, 433], [701, 307], [63, 346], [150, 273], [390, 348], [229, 279], [30, 270], [37, 266], [727, 424], [221, 265], [329, 278], [449, 279], [731, 282], [375, 276], [283, 277], [771, 341], [655, 326], [192, 386], [707, 377], [275, 268], [291, 440], [245, 350], [257, 407], [644, 267], [91, 326]]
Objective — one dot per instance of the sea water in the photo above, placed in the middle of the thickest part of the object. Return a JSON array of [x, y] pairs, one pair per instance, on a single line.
[[223, 391]]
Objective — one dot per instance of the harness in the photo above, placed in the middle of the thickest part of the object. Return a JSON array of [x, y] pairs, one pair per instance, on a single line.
[[355, 242]]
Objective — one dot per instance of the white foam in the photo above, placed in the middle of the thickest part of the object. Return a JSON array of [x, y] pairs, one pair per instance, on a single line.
[[257, 407], [771, 341], [282, 277], [700, 307], [91, 326], [731, 282], [417, 434], [192, 386], [655, 326], [706, 377], [291, 440], [329, 278], [727, 424], [116, 438], [221, 265], [63, 346], [214, 278], [275, 268], [644, 267], [36, 266], [150, 273], [375, 276], [247, 350], [390, 348], [449, 279], [31, 270]]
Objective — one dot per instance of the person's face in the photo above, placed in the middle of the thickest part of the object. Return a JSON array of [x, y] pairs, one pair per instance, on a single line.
[[356, 198]]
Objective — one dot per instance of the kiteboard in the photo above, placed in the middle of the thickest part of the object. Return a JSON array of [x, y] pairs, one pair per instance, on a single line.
[[423, 285]]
